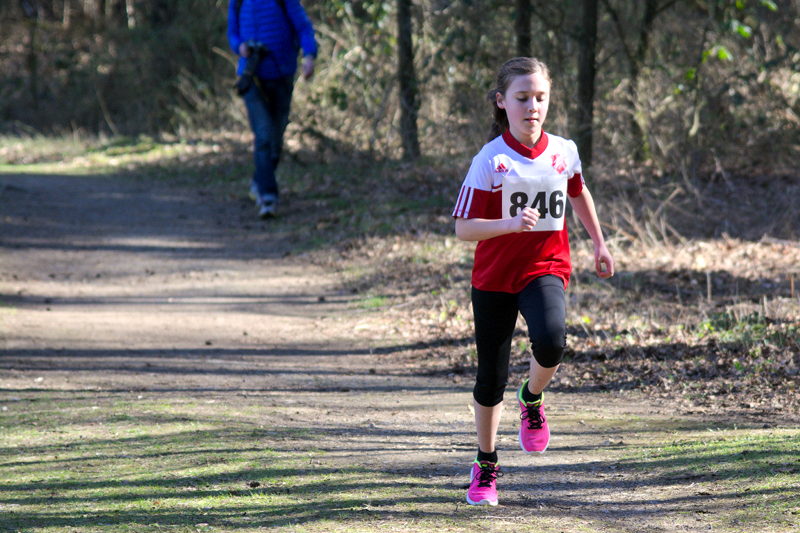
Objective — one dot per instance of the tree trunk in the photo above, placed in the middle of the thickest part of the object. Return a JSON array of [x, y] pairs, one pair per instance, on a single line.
[[523, 28], [100, 16], [642, 147], [31, 12], [119, 13], [586, 76], [409, 103], [66, 17], [162, 12]]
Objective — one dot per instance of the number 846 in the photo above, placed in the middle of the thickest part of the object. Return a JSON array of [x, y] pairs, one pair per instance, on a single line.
[[554, 206]]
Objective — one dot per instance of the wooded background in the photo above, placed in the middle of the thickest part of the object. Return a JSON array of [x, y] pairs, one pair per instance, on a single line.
[[687, 86]]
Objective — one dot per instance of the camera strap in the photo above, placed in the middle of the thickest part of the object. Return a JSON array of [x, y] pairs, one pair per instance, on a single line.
[[255, 79]]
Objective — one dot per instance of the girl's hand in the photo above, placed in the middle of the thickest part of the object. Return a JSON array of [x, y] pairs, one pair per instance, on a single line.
[[525, 220], [603, 262]]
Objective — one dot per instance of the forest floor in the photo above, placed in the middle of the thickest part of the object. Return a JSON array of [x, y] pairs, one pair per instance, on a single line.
[[168, 362]]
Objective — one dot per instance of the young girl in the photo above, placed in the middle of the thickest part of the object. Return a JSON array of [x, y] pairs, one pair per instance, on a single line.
[[513, 203]]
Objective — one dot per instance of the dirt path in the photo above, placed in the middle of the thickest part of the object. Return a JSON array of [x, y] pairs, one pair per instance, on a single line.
[[109, 267], [117, 287]]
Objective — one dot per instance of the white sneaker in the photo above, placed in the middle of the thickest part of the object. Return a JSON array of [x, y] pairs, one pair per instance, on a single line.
[[267, 207]]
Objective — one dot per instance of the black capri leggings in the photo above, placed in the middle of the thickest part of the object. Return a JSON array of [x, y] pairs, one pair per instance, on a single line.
[[543, 305]]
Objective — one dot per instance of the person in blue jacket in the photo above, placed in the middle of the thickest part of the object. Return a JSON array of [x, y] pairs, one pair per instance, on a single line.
[[274, 29]]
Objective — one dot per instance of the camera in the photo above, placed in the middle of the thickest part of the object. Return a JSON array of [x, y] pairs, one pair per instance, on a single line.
[[258, 51]]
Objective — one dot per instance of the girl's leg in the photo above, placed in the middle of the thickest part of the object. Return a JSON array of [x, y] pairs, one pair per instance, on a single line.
[[487, 420], [543, 305], [539, 376], [495, 318]]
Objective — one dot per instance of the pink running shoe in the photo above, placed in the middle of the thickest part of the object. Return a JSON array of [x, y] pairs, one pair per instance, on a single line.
[[483, 483], [534, 434]]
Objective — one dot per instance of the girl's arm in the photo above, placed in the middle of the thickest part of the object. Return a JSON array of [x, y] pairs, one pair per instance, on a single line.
[[480, 229], [583, 204]]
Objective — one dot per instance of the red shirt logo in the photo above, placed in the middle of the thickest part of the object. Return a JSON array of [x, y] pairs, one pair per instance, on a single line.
[[501, 168], [559, 163]]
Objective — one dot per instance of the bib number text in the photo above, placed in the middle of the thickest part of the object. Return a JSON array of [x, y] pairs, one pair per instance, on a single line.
[[554, 207]]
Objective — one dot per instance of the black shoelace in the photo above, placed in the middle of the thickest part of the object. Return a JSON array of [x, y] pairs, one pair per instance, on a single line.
[[534, 416], [488, 473]]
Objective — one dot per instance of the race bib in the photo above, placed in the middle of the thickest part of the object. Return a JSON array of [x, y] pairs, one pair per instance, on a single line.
[[547, 193]]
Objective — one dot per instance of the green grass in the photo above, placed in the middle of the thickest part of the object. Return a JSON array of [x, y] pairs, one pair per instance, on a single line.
[[72, 462], [199, 161], [22, 151], [754, 473], [752, 330], [118, 462], [373, 302]]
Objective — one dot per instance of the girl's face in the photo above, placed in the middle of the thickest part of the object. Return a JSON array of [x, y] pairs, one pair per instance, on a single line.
[[525, 102]]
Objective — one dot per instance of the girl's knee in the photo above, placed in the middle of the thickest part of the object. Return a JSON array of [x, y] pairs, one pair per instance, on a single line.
[[489, 394], [550, 352]]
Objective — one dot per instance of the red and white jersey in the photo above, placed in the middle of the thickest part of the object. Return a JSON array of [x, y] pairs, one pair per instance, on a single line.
[[506, 176]]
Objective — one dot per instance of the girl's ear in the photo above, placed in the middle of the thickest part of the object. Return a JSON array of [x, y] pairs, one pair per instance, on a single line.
[[498, 99]]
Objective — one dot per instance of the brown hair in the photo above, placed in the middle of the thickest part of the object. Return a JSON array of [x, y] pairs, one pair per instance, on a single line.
[[518, 66]]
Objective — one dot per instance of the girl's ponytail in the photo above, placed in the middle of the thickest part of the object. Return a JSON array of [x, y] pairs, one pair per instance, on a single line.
[[500, 122]]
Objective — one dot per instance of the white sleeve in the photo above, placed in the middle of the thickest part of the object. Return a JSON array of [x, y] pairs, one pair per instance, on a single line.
[[473, 197], [574, 160]]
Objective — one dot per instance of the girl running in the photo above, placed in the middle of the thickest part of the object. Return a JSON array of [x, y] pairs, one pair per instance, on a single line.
[[513, 202]]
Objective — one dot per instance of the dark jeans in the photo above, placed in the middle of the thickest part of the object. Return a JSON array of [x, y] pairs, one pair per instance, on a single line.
[[543, 305], [268, 111]]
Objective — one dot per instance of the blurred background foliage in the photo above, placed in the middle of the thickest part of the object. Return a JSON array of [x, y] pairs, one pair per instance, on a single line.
[[684, 87]]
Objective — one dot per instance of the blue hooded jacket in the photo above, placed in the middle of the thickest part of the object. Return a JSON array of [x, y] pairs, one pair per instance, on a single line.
[[266, 21]]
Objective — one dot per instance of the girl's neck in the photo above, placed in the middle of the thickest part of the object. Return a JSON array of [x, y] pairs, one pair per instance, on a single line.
[[529, 141], [531, 152]]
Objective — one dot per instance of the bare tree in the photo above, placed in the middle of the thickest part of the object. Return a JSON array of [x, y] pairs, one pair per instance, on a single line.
[[31, 11], [409, 89], [119, 13], [636, 53], [587, 67], [523, 27], [162, 12]]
